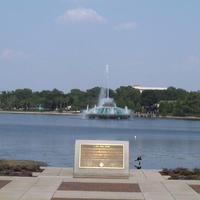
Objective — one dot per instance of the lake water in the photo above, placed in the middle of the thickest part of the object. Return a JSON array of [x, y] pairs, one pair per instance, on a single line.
[[50, 138]]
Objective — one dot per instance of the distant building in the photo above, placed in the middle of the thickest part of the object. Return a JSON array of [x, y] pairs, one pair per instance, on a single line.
[[141, 88]]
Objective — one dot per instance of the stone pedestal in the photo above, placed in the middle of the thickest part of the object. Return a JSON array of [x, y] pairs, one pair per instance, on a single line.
[[101, 158]]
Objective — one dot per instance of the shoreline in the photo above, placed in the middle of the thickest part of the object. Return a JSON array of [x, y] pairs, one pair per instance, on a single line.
[[168, 117], [179, 117], [75, 113], [40, 113]]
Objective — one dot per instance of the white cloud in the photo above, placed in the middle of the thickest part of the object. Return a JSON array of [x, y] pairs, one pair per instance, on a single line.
[[10, 54], [81, 15], [125, 26], [193, 60]]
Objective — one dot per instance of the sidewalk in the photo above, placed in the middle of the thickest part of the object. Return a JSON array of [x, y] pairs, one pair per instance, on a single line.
[[58, 184]]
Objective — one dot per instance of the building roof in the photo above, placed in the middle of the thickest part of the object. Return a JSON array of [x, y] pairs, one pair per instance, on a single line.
[[142, 88]]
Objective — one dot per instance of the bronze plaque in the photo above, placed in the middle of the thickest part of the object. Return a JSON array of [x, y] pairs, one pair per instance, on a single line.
[[101, 156]]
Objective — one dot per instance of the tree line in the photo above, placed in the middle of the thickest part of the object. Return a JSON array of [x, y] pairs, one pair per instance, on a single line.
[[173, 101]]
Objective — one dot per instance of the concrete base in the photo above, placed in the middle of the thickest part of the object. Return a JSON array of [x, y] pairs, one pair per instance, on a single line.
[[46, 185]]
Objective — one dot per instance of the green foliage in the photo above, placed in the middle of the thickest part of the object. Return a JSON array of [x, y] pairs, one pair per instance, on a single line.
[[127, 96], [148, 98], [92, 96], [172, 101], [78, 99], [166, 107]]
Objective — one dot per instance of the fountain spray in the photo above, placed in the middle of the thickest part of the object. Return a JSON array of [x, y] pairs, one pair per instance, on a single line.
[[107, 81], [106, 108]]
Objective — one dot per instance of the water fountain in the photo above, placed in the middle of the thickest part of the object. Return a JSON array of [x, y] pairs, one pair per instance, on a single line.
[[107, 108]]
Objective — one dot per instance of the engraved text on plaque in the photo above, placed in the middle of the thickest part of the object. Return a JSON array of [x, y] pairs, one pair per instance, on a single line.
[[101, 156]]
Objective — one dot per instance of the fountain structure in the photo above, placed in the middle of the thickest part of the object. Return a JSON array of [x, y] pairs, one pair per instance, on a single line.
[[107, 108]]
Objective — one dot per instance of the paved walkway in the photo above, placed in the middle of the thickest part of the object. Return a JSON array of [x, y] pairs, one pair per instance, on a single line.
[[152, 186]]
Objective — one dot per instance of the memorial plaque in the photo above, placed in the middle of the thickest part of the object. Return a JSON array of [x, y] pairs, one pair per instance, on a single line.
[[97, 158], [101, 156]]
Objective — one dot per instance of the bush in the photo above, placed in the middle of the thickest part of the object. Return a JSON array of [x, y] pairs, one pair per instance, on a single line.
[[20, 167]]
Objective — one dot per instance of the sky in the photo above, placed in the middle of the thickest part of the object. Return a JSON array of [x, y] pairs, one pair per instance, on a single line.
[[67, 44]]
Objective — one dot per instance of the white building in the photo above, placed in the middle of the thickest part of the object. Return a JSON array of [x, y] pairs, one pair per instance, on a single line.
[[141, 88]]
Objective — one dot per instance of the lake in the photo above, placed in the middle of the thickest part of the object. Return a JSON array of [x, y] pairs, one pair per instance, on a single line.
[[50, 138]]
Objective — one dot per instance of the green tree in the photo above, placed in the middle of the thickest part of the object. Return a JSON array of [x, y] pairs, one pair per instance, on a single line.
[[127, 96]]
